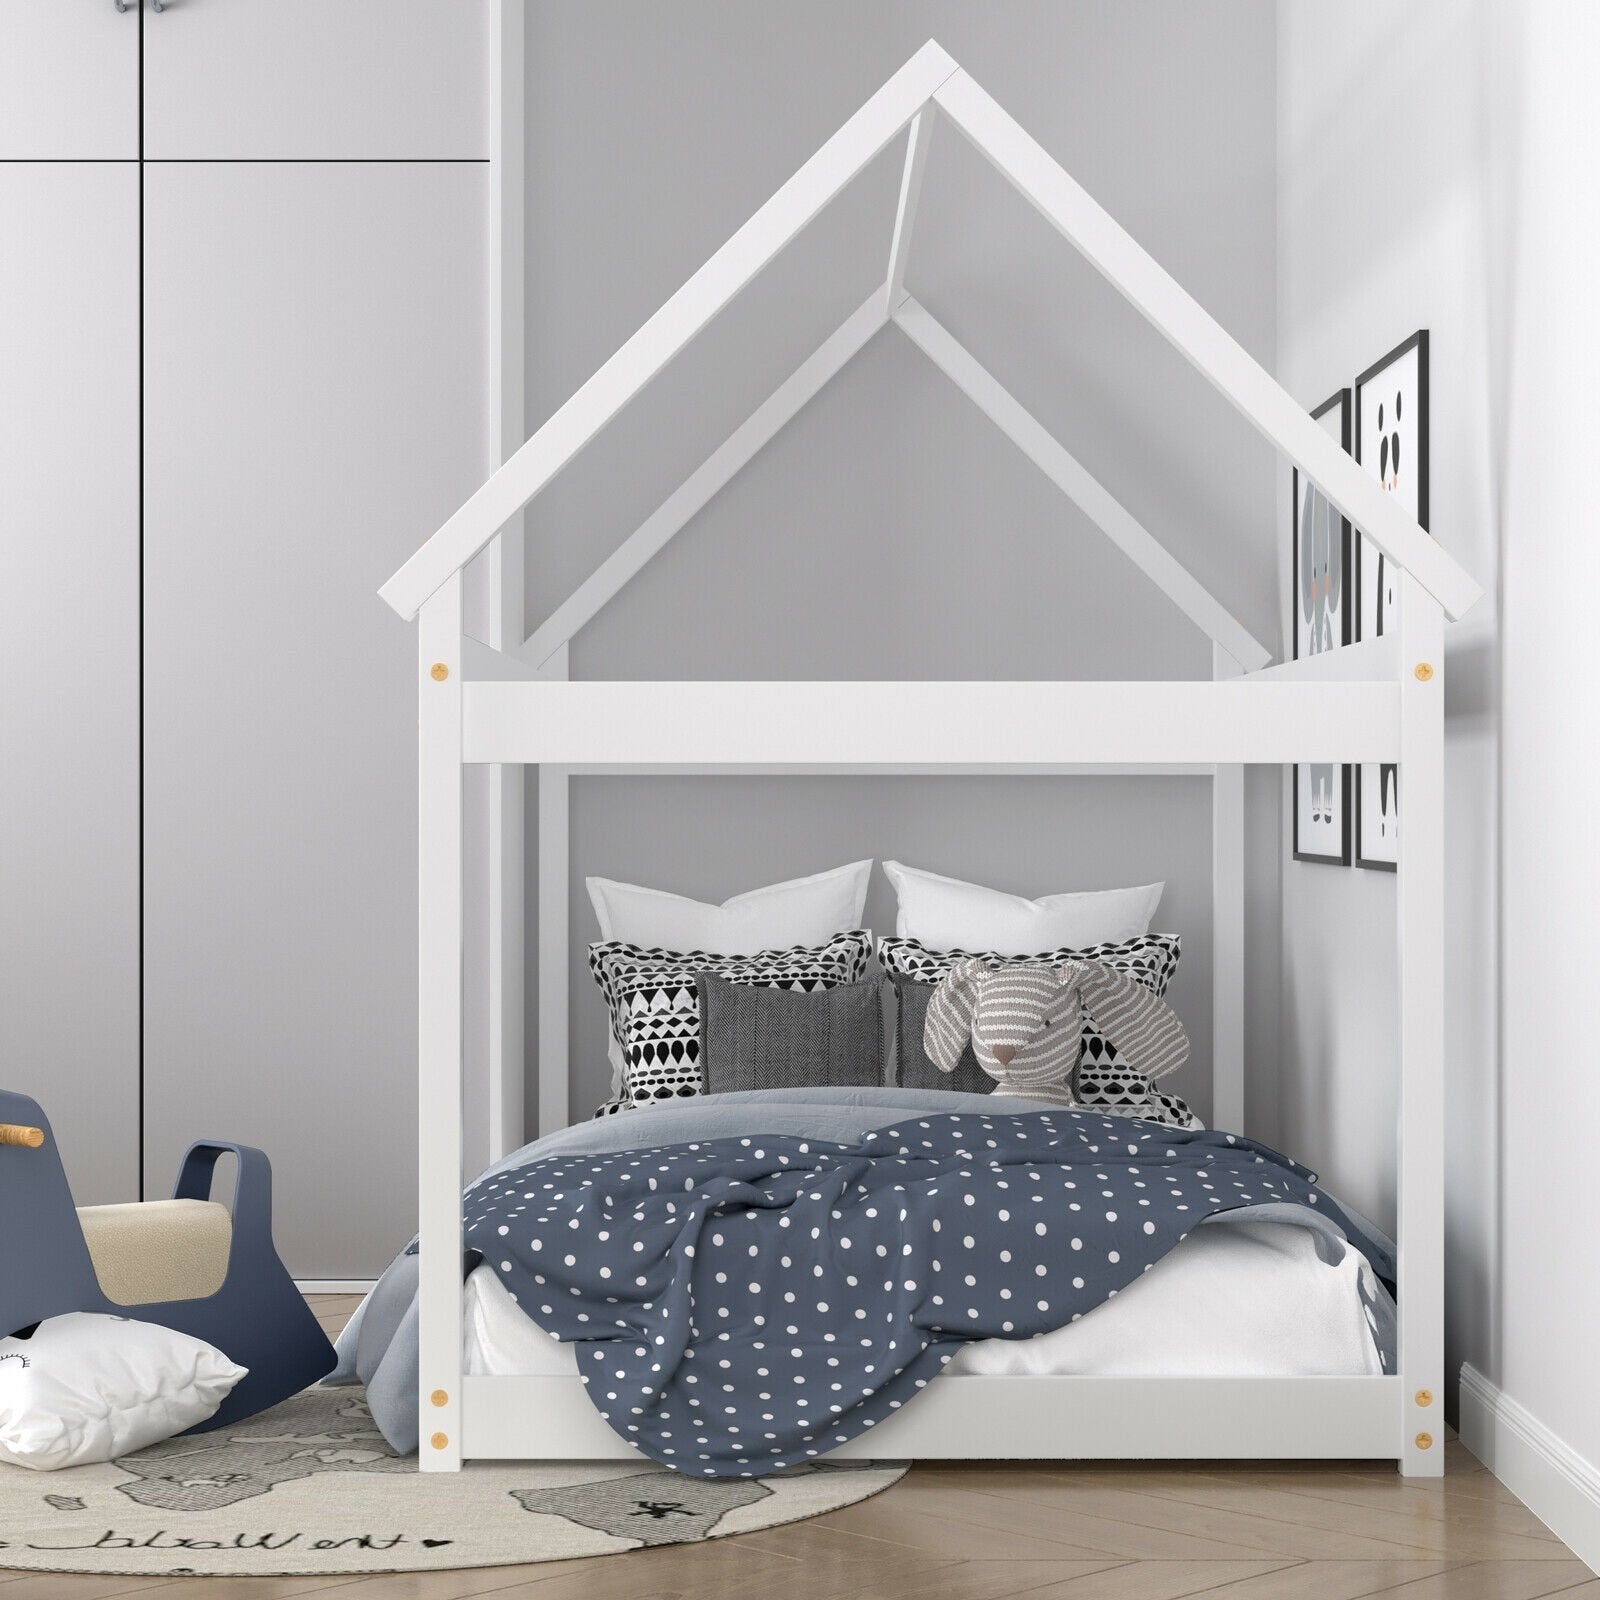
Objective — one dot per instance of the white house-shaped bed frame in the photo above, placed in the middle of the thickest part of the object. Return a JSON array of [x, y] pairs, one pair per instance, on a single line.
[[1380, 700]]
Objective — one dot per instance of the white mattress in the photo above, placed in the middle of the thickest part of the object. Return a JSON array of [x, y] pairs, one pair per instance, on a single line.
[[1242, 1299]]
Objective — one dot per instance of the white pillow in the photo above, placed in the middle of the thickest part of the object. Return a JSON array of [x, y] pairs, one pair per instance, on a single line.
[[802, 911], [947, 914], [88, 1387]]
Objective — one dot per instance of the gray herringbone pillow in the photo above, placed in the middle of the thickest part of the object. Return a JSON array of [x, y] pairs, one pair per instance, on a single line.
[[760, 1038], [916, 1070]]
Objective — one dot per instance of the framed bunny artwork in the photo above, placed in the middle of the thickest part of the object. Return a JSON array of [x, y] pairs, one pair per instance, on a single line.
[[1391, 430], [1323, 605]]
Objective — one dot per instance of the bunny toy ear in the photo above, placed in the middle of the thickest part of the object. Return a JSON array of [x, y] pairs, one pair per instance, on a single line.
[[948, 1026]]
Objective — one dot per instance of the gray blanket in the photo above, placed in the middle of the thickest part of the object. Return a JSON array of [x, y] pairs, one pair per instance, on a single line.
[[830, 1132]]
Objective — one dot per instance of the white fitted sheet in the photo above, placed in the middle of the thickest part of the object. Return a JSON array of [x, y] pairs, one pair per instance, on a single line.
[[1245, 1299]]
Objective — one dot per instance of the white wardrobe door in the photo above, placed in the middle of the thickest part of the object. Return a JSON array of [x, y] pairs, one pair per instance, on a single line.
[[69, 80], [69, 711], [315, 402], [316, 79]]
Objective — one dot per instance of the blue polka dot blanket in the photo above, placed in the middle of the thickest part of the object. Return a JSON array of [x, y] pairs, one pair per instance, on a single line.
[[742, 1303]]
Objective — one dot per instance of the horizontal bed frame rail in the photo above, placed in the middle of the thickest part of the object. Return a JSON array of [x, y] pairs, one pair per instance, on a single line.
[[970, 1417], [995, 725]]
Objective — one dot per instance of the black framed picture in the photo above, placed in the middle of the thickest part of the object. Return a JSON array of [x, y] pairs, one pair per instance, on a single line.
[[1391, 430], [1392, 444], [1323, 610]]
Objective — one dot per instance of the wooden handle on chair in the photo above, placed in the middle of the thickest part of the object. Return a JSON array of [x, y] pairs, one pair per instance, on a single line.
[[20, 1133]]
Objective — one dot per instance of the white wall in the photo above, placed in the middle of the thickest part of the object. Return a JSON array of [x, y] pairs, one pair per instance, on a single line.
[[1437, 168], [1546, 227]]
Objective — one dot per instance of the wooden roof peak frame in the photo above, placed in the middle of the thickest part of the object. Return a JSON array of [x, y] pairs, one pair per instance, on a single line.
[[931, 83]]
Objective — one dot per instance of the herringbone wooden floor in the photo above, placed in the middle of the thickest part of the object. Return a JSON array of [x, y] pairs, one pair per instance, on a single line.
[[1047, 1532]]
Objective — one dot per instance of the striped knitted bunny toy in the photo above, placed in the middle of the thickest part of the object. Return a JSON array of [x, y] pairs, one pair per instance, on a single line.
[[1025, 1024]]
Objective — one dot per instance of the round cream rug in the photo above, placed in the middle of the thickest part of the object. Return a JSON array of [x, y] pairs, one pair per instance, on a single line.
[[311, 1487]]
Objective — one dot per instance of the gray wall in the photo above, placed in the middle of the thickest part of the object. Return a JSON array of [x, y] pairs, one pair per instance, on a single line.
[[890, 532]]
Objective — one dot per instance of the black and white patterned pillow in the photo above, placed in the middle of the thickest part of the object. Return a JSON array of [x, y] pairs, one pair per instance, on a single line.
[[655, 1009], [1105, 1082]]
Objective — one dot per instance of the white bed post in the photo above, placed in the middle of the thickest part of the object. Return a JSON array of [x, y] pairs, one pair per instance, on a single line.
[[1420, 907], [439, 953], [1227, 931], [555, 858]]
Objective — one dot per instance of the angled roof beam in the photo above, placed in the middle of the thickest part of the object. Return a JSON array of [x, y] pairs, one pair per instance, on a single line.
[[1366, 661], [483, 663], [1080, 486], [685, 315], [1040, 179], [905, 214], [696, 491]]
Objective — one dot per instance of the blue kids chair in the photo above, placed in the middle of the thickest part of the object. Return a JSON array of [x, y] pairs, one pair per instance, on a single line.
[[257, 1318]]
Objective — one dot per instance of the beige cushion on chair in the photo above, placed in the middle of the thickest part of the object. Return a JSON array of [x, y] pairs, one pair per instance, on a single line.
[[158, 1250]]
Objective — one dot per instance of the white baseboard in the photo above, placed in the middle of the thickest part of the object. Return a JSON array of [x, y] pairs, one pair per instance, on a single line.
[[334, 1285], [1557, 1485]]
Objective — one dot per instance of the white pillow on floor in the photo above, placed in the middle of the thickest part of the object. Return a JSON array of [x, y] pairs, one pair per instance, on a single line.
[[801, 911], [89, 1387], [947, 914]]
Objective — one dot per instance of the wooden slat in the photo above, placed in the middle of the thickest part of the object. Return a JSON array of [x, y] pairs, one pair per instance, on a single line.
[[1227, 931], [990, 724], [899, 769], [555, 929], [1017, 1418]]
